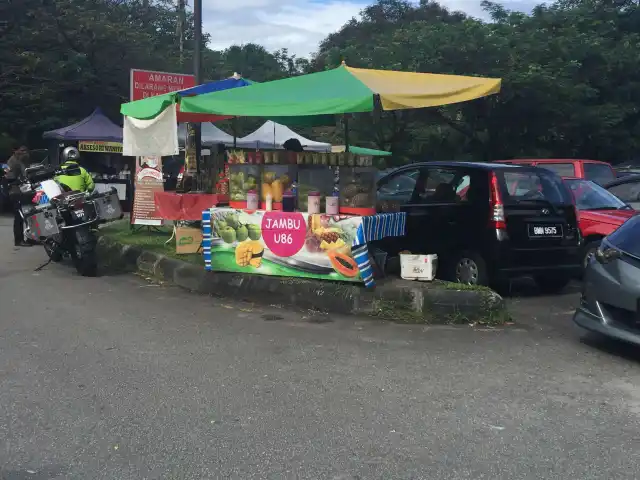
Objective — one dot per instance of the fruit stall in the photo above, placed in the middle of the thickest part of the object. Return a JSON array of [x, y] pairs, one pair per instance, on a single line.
[[304, 214], [298, 214]]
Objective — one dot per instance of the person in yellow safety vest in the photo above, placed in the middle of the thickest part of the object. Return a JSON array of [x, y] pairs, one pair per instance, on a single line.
[[82, 182]]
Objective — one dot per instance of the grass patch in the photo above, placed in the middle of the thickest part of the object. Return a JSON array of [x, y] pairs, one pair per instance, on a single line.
[[461, 286], [397, 312], [152, 240]]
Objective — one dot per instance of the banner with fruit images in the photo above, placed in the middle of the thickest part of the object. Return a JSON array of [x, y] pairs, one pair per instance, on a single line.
[[289, 244]]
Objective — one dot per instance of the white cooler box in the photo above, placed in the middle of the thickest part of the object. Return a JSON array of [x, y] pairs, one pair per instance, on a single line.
[[418, 267]]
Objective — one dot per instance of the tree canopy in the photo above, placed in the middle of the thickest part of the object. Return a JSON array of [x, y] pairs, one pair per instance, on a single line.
[[570, 83]]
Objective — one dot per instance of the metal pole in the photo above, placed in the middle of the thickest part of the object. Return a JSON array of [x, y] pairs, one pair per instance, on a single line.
[[234, 124], [346, 132], [197, 67]]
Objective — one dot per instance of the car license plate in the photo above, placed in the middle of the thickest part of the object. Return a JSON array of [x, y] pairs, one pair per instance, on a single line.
[[545, 231]]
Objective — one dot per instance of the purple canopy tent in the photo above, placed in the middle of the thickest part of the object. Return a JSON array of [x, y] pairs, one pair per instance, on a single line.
[[96, 127]]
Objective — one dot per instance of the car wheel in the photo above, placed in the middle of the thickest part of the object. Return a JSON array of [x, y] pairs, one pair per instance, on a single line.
[[552, 283], [588, 250], [469, 268]]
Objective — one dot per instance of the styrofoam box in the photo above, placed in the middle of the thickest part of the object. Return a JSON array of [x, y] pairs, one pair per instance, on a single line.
[[418, 267]]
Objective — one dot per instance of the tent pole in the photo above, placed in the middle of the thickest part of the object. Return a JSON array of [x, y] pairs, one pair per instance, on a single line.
[[346, 132], [197, 67], [274, 136], [234, 127]]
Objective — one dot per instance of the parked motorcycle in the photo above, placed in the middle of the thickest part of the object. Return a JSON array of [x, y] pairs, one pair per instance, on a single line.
[[65, 222]]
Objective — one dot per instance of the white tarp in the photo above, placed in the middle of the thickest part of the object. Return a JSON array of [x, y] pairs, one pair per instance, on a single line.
[[211, 136], [157, 137], [264, 138]]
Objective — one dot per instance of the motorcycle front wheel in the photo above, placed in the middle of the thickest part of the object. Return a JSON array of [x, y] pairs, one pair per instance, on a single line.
[[84, 252]]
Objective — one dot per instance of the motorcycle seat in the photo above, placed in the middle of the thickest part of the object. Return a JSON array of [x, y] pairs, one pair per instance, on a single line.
[[66, 194]]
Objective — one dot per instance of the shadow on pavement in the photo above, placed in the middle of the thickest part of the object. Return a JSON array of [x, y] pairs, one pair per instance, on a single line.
[[526, 287], [610, 346]]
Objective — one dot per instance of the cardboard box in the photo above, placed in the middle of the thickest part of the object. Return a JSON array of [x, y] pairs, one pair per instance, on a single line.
[[188, 240]]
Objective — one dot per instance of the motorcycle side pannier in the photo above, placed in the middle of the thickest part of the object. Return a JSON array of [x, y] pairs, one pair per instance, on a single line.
[[108, 206], [41, 223]]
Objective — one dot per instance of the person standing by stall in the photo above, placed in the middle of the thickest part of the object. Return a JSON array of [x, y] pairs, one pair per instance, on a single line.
[[16, 166]]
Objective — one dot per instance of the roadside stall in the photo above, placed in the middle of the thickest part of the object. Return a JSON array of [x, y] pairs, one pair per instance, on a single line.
[[304, 213], [100, 142], [183, 209], [289, 216]]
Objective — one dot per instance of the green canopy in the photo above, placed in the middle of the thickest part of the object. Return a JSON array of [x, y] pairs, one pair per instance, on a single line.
[[151, 107], [361, 151], [341, 90], [148, 107]]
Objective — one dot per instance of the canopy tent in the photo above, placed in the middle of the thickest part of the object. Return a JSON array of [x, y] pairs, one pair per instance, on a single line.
[[151, 107], [96, 127], [211, 135], [272, 135], [342, 90], [361, 151], [324, 94]]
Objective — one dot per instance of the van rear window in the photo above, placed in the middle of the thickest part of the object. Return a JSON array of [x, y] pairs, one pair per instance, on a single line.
[[530, 185], [599, 173], [562, 169]]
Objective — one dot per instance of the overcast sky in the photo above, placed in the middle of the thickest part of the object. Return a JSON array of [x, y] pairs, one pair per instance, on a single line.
[[298, 25]]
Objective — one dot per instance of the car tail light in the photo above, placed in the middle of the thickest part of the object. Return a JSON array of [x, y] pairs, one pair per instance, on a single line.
[[497, 219]]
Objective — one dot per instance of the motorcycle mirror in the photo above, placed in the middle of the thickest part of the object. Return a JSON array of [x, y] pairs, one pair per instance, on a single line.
[[34, 167]]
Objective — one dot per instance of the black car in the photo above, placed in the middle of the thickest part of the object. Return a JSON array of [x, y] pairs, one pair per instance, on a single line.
[[486, 222], [627, 189]]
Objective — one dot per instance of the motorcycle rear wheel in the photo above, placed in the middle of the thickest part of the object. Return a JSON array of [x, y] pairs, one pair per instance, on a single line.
[[84, 254]]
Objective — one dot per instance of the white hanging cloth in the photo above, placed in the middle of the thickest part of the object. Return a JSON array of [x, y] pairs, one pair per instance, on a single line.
[[157, 137]]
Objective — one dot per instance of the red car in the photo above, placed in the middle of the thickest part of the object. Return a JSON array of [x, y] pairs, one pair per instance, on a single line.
[[599, 172], [600, 212]]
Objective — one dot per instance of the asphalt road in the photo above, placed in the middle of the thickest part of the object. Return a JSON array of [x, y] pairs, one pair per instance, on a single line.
[[115, 378]]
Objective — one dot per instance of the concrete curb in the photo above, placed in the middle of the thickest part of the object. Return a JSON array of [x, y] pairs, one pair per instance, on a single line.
[[400, 301]]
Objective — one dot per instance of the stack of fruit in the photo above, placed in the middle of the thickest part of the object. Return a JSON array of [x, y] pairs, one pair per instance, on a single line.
[[222, 185], [230, 230], [240, 182], [275, 182]]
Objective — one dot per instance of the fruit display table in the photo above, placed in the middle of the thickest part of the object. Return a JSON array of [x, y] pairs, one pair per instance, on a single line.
[[183, 206], [295, 244]]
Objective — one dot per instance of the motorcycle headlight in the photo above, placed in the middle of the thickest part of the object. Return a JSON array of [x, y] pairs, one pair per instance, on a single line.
[[605, 253]]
